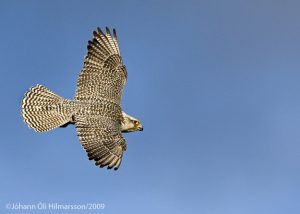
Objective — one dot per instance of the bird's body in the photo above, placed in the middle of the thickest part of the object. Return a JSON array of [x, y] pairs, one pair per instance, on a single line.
[[96, 109]]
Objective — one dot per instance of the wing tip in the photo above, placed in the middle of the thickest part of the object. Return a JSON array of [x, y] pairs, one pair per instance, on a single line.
[[95, 33], [108, 161], [100, 31], [107, 30], [115, 33]]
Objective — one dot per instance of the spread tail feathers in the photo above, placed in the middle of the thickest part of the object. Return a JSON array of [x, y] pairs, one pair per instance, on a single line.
[[43, 110]]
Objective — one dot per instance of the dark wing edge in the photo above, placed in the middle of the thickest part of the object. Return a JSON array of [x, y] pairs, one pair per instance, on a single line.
[[105, 148]]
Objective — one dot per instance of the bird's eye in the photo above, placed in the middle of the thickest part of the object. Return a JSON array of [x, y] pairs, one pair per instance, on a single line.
[[136, 122]]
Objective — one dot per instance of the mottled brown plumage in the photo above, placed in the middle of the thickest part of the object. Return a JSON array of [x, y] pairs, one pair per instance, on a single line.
[[96, 110]]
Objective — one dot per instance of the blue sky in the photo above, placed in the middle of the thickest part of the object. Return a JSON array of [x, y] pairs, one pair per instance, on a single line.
[[215, 84]]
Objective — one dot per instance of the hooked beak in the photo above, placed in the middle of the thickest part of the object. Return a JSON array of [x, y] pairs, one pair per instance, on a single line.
[[141, 128]]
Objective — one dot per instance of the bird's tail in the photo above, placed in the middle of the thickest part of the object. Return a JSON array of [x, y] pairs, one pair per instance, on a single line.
[[43, 110]]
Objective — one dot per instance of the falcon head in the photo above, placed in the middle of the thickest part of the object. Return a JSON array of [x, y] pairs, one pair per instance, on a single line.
[[130, 124]]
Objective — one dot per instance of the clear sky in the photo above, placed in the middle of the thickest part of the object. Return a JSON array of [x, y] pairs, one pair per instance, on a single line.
[[215, 84]]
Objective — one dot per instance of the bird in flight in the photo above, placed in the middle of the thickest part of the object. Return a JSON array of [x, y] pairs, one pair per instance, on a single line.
[[96, 109]]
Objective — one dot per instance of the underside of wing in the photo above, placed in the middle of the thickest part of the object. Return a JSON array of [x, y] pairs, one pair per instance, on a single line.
[[102, 140], [103, 75]]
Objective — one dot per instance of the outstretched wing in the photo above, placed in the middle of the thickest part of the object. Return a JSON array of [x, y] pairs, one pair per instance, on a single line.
[[99, 91], [103, 75], [102, 140]]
